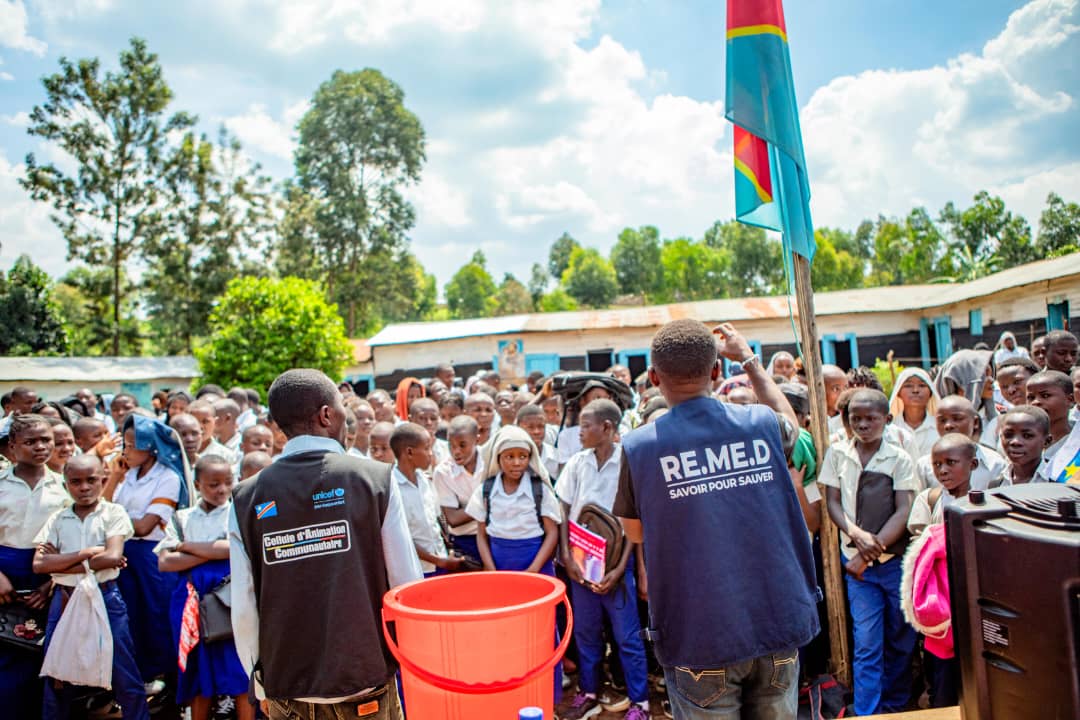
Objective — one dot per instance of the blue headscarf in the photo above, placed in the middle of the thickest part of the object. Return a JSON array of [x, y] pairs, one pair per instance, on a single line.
[[162, 440]]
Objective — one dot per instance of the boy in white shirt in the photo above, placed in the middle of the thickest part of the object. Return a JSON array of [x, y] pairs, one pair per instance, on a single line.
[[530, 418], [93, 531], [456, 479]]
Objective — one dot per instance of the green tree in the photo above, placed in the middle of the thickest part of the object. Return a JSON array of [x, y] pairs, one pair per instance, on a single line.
[[590, 279], [988, 229], [469, 292], [297, 250], [512, 298], [538, 282], [261, 327], [756, 261], [30, 319], [1059, 227], [406, 291], [359, 148], [966, 267], [84, 298], [834, 269], [114, 129], [636, 259], [558, 300], [218, 210], [559, 255], [693, 270]]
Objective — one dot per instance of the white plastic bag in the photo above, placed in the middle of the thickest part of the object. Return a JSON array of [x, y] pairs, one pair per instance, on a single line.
[[81, 649]]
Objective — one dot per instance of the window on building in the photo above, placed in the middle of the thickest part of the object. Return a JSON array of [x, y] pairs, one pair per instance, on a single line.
[[1057, 315], [975, 322]]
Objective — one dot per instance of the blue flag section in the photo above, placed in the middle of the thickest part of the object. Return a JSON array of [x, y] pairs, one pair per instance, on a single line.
[[772, 189]]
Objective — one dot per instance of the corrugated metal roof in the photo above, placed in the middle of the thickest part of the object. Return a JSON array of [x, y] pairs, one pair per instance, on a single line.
[[894, 298], [96, 369]]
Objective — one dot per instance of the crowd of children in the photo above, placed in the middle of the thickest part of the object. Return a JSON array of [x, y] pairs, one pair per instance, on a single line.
[[497, 477]]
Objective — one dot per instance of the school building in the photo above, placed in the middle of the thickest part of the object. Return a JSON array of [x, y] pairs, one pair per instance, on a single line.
[[921, 324], [58, 377]]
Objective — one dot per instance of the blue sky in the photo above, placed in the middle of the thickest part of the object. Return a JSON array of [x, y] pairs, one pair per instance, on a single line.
[[586, 117]]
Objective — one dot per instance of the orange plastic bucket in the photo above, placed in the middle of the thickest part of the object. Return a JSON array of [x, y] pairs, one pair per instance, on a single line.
[[476, 645]]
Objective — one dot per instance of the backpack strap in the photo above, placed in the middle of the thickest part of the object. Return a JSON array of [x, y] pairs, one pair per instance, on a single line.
[[538, 498], [489, 484], [933, 497]]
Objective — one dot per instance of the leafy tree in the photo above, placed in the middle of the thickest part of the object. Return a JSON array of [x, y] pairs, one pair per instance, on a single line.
[[512, 298], [115, 130], [261, 327], [84, 298], [469, 292], [298, 246], [30, 320], [559, 255], [636, 259], [1059, 227], [833, 268], [756, 261], [406, 291], [590, 279], [693, 270], [558, 300], [359, 148], [967, 267], [988, 229], [218, 209], [538, 282]]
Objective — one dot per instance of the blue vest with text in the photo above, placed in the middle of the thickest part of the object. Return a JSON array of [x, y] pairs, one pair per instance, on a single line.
[[728, 558]]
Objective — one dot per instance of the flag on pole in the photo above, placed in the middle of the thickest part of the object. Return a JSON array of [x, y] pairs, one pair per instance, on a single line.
[[771, 186], [1065, 467]]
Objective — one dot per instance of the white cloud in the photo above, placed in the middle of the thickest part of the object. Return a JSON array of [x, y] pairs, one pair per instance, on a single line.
[[53, 10], [25, 226], [885, 141], [13, 32], [6, 76], [20, 119], [257, 130], [440, 201]]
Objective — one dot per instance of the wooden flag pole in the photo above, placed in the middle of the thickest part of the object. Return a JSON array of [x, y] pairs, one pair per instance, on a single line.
[[834, 573]]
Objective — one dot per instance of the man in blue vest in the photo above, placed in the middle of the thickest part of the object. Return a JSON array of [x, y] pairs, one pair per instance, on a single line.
[[732, 591]]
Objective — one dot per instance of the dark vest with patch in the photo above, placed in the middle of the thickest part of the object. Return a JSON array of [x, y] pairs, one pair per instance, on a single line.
[[312, 527], [730, 569]]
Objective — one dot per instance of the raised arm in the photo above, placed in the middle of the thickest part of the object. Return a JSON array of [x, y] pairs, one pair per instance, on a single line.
[[733, 346]]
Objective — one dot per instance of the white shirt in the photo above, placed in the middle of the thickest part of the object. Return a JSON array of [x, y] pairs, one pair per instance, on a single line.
[[513, 515], [441, 450], [246, 420], [421, 506], [549, 458], [358, 453], [569, 444], [216, 448], [991, 466], [455, 486], [155, 493], [402, 566], [842, 468], [923, 437], [922, 515], [68, 534], [23, 512], [582, 482], [196, 525]]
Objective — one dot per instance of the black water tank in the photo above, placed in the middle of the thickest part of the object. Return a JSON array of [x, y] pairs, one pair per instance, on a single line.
[[1014, 581]]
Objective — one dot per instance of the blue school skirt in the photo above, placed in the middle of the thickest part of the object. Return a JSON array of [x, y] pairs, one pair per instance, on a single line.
[[146, 592], [518, 555], [20, 687], [212, 668]]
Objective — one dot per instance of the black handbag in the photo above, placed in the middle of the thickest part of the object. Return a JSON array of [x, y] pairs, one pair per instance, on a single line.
[[22, 627], [215, 613]]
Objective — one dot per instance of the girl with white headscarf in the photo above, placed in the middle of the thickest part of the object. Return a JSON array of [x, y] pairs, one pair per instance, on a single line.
[[1006, 348], [913, 406]]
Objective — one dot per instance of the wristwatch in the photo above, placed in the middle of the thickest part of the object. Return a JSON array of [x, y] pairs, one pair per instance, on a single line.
[[752, 360]]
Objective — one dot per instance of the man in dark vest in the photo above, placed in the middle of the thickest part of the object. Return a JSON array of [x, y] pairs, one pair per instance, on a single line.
[[316, 539], [732, 592]]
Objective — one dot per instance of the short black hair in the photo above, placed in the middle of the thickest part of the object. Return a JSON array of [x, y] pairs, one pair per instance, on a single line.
[[684, 349], [872, 397], [423, 402], [1055, 336], [1037, 414], [253, 397], [463, 425], [798, 397], [1021, 362], [86, 425], [380, 393], [22, 390], [209, 389], [5, 399], [1054, 377], [605, 411], [238, 395], [863, 376], [210, 461], [951, 440], [527, 411], [227, 406], [297, 395], [128, 396], [253, 428], [22, 423], [178, 395], [407, 435]]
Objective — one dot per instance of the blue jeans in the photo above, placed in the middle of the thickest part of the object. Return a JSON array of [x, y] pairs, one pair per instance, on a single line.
[[126, 681], [765, 688], [620, 605], [884, 642]]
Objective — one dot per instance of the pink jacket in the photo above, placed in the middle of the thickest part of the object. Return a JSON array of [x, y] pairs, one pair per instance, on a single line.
[[924, 591]]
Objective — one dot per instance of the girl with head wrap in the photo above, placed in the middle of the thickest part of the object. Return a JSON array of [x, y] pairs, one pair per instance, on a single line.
[[152, 481], [913, 406], [782, 363], [408, 389], [1007, 348]]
